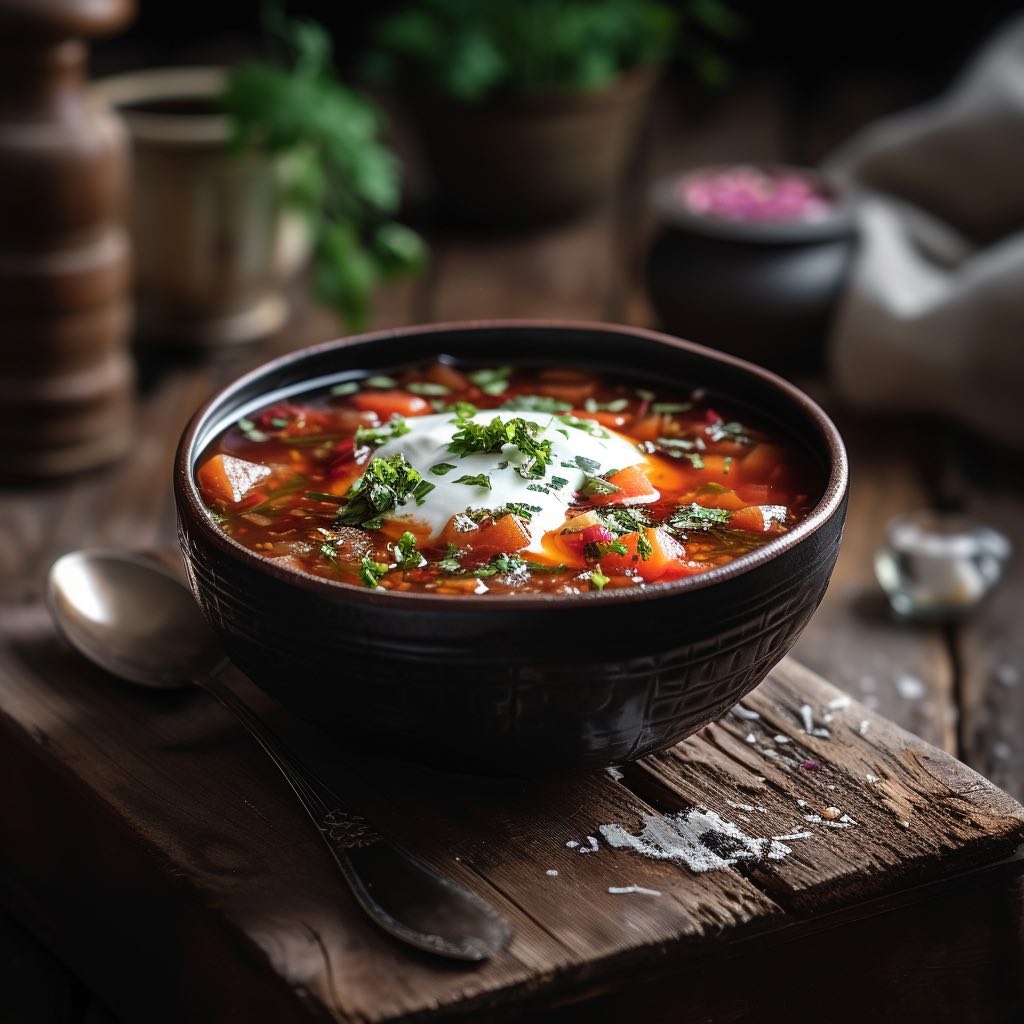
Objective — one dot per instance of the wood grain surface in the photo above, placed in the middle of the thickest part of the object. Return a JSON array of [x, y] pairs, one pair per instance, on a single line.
[[123, 810]]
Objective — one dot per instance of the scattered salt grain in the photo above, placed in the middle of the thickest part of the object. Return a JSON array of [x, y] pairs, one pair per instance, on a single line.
[[905, 824], [619, 889], [863, 727], [551, 873], [614, 772], [698, 838], [801, 803], [740, 807], [572, 844], [838, 703], [750, 738], [592, 848], [782, 739], [909, 687], [741, 712], [871, 779], [805, 717]]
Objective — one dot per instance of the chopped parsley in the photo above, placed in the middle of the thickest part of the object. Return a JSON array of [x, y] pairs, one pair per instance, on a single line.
[[278, 423], [372, 572], [462, 410], [477, 480], [598, 578], [617, 405], [380, 381], [378, 435], [441, 468], [334, 499], [406, 554], [250, 430], [348, 387], [668, 408], [719, 431], [492, 381], [329, 551], [539, 488], [421, 490], [595, 486], [681, 448], [696, 517], [558, 482], [427, 387], [587, 465], [600, 548], [510, 564], [536, 403], [644, 395], [492, 437], [587, 426], [384, 485], [450, 562]]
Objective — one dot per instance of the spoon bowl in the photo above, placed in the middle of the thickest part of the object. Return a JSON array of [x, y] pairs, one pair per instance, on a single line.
[[129, 615]]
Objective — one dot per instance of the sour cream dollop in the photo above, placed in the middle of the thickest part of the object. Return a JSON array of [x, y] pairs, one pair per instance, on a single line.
[[577, 452]]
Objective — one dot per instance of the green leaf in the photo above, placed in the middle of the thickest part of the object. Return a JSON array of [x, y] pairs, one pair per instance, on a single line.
[[478, 480]]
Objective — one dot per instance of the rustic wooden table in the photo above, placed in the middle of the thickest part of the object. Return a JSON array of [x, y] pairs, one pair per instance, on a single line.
[[959, 689]]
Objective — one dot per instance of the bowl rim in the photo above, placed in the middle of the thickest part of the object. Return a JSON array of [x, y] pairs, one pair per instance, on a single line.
[[833, 496]]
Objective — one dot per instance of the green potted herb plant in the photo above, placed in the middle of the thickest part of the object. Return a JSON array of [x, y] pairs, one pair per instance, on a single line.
[[529, 111], [224, 161]]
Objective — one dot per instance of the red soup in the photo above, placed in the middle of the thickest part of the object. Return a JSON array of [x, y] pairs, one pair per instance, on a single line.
[[503, 481]]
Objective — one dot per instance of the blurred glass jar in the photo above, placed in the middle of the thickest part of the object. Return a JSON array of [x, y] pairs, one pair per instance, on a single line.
[[937, 566], [211, 241]]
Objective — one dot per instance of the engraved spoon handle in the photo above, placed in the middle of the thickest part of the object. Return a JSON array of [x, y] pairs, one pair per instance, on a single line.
[[402, 895]]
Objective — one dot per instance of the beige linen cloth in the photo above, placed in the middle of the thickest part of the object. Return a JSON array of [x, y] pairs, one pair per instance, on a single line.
[[932, 318]]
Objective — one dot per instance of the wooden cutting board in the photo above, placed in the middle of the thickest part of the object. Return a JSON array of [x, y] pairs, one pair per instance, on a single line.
[[803, 858]]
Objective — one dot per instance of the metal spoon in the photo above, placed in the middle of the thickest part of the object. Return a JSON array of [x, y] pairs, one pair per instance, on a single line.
[[133, 618]]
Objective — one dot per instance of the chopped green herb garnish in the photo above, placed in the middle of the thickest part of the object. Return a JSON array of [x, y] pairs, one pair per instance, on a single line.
[[587, 465], [538, 487], [675, 445], [629, 520], [248, 428], [427, 387], [696, 459], [421, 490], [492, 381], [406, 554], [558, 482], [587, 426], [728, 432], [278, 423], [595, 486], [599, 548], [476, 480], [378, 435], [462, 410], [384, 485], [592, 405], [667, 408], [696, 517], [348, 387], [334, 499], [510, 564], [450, 562], [463, 522], [727, 464], [329, 551], [644, 395], [492, 437], [598, 578], [372, 572], [536, 403], [380, 381], [441, 468]]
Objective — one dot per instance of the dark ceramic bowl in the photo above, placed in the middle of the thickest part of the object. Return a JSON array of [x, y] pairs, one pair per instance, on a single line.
[[519, 684], [762, 290]]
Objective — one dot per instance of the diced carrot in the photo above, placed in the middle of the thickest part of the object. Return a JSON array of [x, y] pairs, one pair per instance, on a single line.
[[650, 428], [572, 386], [391, 403], [758, 518], [507, 535], [718, 497], [615, 420], [447, 376], [755, 494], [720, 469], [225, 478], [633, 488], [666, 553], [757, 466]]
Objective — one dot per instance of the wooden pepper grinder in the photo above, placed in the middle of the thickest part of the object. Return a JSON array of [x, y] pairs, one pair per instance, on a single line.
[[66, 376]]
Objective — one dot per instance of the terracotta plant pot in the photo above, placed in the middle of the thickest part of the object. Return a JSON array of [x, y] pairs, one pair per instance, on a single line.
[[532, 159], [206, 221], [762, 290]]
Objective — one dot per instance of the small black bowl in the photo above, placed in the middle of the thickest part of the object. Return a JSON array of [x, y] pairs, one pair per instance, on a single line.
[[762, 290], [520, 684]]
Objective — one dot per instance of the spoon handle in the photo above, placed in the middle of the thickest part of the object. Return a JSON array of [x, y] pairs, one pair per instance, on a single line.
[[408, 899]]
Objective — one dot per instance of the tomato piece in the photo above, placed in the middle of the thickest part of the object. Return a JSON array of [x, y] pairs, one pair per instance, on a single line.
[[387, 404], [759, 518], [713, 497], [225, 478], [447, 376], [762, 460], [634, 488], [666, 554]]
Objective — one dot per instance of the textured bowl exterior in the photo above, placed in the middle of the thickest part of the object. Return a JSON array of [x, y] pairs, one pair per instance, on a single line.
[[526, 684]]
